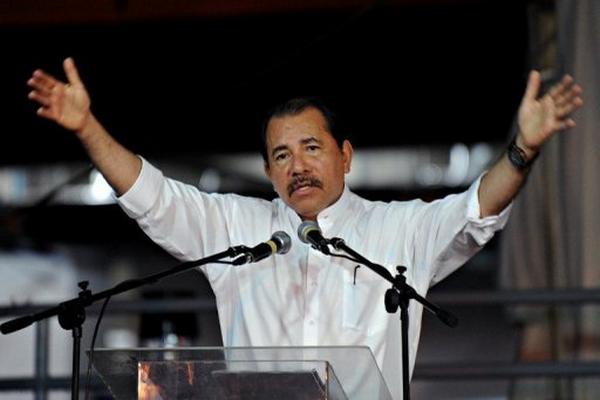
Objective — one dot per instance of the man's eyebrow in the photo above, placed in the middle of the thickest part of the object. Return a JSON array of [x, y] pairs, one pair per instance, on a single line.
[[279, 148], [304, 142], [311, 139]]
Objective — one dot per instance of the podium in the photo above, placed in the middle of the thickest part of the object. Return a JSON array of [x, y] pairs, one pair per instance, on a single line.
[[242, 373]]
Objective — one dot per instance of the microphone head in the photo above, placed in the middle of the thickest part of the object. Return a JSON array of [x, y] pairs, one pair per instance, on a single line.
[[283, 241], [306, 227]]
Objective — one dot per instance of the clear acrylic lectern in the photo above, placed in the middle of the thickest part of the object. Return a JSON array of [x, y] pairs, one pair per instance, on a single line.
[[242, 373]]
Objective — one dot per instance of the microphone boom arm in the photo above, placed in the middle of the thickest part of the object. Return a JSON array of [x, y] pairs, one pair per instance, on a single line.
[[86, 298], [339, 244], [398, 297], [399, 283]]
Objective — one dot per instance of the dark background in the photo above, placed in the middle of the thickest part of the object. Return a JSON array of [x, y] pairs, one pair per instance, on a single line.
[[180, 87], [396, 74]]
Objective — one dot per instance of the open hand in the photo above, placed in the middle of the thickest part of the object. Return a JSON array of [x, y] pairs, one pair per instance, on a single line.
[[66, 103], [540, 118]]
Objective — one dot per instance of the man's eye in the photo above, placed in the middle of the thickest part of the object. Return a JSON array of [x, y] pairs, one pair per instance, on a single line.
[[312, 147], [280, 156]]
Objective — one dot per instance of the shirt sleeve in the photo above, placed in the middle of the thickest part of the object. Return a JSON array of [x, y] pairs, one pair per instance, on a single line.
[[189, 223], [183, 220], [447, 232], [482, 229], [142, 195]]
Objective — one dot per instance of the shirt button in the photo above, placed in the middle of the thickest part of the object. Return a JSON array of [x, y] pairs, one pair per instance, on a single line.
[[311, 322], [313, 284]]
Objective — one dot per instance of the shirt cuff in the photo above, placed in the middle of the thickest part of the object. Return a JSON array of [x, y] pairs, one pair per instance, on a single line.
[[482, 229], [142, 195]]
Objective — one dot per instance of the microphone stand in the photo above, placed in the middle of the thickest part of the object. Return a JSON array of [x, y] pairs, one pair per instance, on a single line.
[[398, 295], [71, 313]]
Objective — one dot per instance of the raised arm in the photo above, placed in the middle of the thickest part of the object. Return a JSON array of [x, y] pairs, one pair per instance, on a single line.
[[539, 119], [68, 104]]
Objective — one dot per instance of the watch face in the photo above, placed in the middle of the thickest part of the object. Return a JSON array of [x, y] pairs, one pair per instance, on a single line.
[[516, 156], [516, 160]]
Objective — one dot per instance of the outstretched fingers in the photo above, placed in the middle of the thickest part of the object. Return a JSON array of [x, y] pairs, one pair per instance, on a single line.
[[563, 124], [566, 96], [565, 91], [566, 109], [42, 82], [558, 90], [533, 86], [572, 95], [71, 71], [46, 113], [42, 98], [67, 103], [44, 86]]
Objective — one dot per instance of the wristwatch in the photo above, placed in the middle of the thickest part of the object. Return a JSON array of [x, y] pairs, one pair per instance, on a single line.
[[517, 156]]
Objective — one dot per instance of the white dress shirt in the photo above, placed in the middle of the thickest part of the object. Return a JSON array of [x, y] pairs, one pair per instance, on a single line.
[[305, 298]]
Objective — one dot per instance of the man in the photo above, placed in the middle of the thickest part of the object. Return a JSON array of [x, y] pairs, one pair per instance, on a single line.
[[306, 298]]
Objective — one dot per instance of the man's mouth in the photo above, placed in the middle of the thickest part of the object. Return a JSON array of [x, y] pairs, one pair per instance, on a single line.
[[303, 182]]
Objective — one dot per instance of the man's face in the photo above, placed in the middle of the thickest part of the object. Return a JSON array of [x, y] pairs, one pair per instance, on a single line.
[[306, 165]]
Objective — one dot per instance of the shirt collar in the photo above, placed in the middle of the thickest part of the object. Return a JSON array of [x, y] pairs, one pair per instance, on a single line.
[[335, 211], [329, 215]]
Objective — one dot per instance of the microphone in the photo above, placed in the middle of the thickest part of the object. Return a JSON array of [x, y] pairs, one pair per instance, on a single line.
[[279, 243], [310, 233]]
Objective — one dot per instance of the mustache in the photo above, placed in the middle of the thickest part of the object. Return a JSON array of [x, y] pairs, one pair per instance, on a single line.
[[300, 181]]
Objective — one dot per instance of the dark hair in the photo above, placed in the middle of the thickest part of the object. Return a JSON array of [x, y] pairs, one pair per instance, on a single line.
[[294, 107]]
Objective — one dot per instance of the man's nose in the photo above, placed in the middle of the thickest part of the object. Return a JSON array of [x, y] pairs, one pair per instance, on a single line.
[[299, 164]]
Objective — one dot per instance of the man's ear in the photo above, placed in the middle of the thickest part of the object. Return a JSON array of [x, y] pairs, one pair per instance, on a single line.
[[267, 169], [347, 152]]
